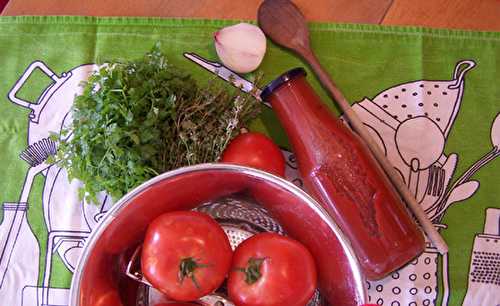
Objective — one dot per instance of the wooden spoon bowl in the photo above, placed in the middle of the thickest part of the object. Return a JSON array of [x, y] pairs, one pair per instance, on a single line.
[[283, 22]]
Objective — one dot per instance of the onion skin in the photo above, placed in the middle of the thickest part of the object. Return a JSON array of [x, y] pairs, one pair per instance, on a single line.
[[240, 47]]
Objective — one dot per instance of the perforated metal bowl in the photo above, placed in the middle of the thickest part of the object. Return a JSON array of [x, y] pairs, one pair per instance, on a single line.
[[244, 201]]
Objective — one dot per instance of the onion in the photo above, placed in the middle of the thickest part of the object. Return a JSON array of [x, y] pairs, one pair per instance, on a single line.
[[240, 47]]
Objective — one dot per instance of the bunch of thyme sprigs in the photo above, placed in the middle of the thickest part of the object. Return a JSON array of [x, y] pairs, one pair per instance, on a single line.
[[137, 119]]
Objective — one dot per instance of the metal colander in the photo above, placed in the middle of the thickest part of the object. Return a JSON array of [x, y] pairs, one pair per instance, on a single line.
[[240, 218], [105, 270]]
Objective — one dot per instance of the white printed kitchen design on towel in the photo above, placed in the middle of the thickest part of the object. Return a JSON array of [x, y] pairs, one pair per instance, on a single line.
[[397, 118], [67, 220], [411, 122]]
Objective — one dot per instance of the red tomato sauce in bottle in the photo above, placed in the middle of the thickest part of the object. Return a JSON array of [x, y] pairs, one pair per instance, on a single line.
[[343, 176]]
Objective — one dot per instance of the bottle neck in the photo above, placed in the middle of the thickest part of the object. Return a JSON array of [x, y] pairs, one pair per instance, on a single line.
[[15, 207]]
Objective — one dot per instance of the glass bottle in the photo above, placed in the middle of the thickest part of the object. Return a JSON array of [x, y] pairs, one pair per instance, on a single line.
[[342, 175]]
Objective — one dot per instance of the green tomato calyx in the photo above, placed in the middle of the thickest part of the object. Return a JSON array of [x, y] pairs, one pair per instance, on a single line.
[[187, 267], [252, 270]]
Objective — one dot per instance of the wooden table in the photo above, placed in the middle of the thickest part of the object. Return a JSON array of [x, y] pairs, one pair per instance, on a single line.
[[462, 14]]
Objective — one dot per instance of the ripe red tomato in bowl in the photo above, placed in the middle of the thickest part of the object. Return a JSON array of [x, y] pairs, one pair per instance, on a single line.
[[269, 269], [255, 150], [185, 255]]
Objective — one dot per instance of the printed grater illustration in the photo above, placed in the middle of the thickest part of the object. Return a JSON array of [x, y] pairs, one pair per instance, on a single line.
[[484, 271]]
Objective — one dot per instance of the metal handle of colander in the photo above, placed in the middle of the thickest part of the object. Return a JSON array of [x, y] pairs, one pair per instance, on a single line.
[[132, 272]]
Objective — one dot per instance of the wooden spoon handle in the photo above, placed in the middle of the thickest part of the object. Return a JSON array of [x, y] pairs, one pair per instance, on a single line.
[[360, 128]]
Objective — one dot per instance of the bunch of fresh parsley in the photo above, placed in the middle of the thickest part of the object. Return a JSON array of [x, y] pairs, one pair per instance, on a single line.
[[136, 119]]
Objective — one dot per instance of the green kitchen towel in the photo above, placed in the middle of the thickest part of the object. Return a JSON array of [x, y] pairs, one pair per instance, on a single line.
[[430, 97]]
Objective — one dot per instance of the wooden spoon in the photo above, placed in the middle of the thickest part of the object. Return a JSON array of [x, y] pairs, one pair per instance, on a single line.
[[283, 22]]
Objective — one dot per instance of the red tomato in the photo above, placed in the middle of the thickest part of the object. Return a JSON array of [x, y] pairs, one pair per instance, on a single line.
[[270, 269], [255, 150], [185, 255]]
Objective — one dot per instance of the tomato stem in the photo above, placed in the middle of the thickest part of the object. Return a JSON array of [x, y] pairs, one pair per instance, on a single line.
[[186, 269], [252, 270]]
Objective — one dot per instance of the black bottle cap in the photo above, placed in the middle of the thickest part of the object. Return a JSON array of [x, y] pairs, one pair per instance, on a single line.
[[282, 79]]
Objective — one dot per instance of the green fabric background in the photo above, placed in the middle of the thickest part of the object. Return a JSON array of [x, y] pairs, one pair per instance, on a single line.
[[363, 59]]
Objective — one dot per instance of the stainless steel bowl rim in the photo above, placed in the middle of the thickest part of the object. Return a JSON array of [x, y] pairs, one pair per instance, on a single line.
[[125, 200]]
